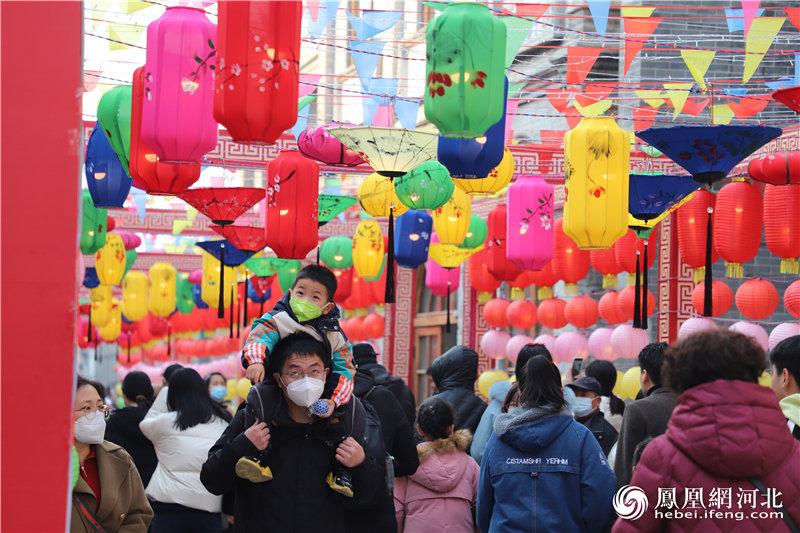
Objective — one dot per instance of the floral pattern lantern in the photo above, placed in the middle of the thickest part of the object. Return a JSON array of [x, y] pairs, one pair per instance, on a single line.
[[177, 110], [426, 188], [114, 117], [693, 218], [737, 225], [529, 243], [570, 263], [452, 220], [108, 181], [480, 279], [391, 152], [163, 285], [93, 225], [466, 48], [368, 249], [776, 168], [337, 252], [134, 295], [290, 219], [110, 260], [494, 182], [319, 144], [782, 225], [413, 238], [596, 162], [498, 264], [258, 69]]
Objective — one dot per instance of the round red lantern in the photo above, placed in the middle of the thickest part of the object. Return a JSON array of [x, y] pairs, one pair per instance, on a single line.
[[608, 308], [551, 313], [480, 278], [722, 298], [627, 299], [570, 263], [791, 299], [605, 262], [544, 279], [521, 314], [581, 311], [776, 168], [782, 225], [374, 326], [497, 263], [692, 230], [344, 283], [757, 299], [355, 327], [737, 225], [626, 247], [520, 283], [494, 312]]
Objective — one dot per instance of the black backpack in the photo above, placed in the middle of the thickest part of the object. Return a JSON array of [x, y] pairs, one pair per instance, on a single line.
[[373, 437]]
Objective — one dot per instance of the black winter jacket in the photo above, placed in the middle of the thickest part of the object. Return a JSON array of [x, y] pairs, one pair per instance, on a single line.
[[395, 385], [454, 374], [604, 432], [122, 428]]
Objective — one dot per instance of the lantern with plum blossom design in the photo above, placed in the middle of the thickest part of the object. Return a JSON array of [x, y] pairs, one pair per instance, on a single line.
[[378, 198], [318, 144], [494, 182], [529, 231], [776, 168]]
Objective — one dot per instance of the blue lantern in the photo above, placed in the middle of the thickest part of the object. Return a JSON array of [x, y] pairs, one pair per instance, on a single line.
[[108, 181], [230, 256], [198, 300], [474, 158], [412, 238], [90, 278]]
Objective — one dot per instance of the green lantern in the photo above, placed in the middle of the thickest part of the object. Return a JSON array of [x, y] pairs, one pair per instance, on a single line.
[[287, 273], [337, 252], [93, 226], [476, 234], [465, 70], [425, 188], [114, 116], [330, 206], [130, 259], [184, 292]]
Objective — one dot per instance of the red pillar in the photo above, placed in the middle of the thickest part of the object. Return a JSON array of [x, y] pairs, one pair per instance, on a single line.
[[40, 47]]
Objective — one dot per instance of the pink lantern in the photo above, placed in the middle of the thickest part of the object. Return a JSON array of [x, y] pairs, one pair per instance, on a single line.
[[529, 236], [196, 276], [600, 344], [441, 281], [548, 340], [318, 144], [177, 110], [514, 345], [754, 331], [783, 331], [694, 325], [570, 345], [493, 343], [628, 341]]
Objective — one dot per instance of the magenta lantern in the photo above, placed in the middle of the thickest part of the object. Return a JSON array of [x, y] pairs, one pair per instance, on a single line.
[[318, 144], [694, 325], [628, 341], [783, 331], [754, 331], [570, 345], [600, 344], [529, 237], [177, 110], [441, 281], [515, 344], [548, 340], [493, 343]]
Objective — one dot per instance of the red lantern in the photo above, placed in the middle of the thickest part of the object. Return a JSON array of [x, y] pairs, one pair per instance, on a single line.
[[494, 312], [545, 279], [737, 225], [355, 327], [344, 283], [581, 311], [498, 264], [692, 221], [722, 298], [609, 310], [782, 225], [374, 326], [757, 299], [570, 263], [521, 314], [791, 299], [520, 283], [605, 262], [626, 247], [551, 313], [777, 168], [291, 214], [159, 325], [258, 53], [480, 278], [627, 299]]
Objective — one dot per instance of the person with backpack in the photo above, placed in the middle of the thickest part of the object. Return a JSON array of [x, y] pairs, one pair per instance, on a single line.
[[366, 359], [454, 374]]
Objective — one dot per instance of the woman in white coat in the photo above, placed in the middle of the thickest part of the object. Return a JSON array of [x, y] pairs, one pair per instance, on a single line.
[[182, 437]]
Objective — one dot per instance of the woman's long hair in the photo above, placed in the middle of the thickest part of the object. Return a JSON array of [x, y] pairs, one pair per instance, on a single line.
[[606, 374], [188, 396], [542, 387]]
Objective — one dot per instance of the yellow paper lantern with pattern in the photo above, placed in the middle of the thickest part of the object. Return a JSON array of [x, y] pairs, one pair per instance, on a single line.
[[163, 282], [209, 290], [377, 197], [451, 221], [368, 249], [112, 329], [101, 305], [134, 295], [496, 181], [109, 261], [596, 162]]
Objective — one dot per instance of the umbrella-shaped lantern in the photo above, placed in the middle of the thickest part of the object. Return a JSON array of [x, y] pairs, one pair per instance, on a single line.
[[318, 143], [790, 97], [223, 205], [331, 206]]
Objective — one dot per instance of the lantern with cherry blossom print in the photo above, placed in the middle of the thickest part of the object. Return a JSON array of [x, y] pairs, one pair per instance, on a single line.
[[757, 299], [256, 81], [782, 225], [692, 230], [777, 168], [551, 313], [290, 218], [570, 263], [605, 263], [480, 278], [737, 225], [529, 238], [498, 264], [177, 110], [581, 311], [544, 280]]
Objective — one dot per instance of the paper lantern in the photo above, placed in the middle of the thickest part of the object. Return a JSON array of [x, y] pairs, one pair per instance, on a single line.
[[162, 300], [465, 73], [368, 249], [426, 187], [498, 263], [377, 197], [185, 296], [452, 220], [489, 378], [570, 263], [791, 299], [107, 179], [737, 225], [630, 384], [355, 329], [134, 295], [494, 312], [608, 308], [114, 117], [412, 238], [754, 331], [515, 344], [331, 206], [549, 342], [522, 314], [605, 263], [695, 325], [344, 283], [529, 243], [243, 238], [373, 326], [776, 168], [391, 152], [692, 230], [544, 279], [159, 326], [110, 260], [628, 245], [290, 219], [177, 109], [757, 299], [101, 301], [783, 331], [581, 311], [722, 298], [570, 345], [493, 343], [258, 68], [287, 274], [337, 252], [551, 313], [654, 196], [599, 345], [441, 281], [480, 279], [476, 234], [223, 205], [112, 329], [626, 301], [319, 144], [225, 252], [210, 288], [628, 341], [782, 225], [494, 182]]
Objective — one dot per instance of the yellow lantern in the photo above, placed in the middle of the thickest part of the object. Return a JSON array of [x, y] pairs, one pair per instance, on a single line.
[[596, 159], [109, 260], [377, 197], [496, 181], [112, 329], [450, 255], [368, 249], [163, 282], [101, 305], [209, 290], [134, 295], [451, 221]]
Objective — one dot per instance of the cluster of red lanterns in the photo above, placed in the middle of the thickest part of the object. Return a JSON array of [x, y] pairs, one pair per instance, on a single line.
[[358, 329]]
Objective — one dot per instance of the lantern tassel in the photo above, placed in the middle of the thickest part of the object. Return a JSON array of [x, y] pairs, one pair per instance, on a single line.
[[169, 338], [389, 293], [95, 350], [637, 299], [129, 348], [609, 281], [707, 275], [221, 306], [238, 313], [262, 309], [231, 320], [317, 254], [517, 293], [644, 288], [89, 334], [571, 289], [447, 303], [484, 297], [734, 270], [244, 315], [790, 265]]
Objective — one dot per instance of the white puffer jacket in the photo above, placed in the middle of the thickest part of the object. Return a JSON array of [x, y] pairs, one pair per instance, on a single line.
[[181, 455]]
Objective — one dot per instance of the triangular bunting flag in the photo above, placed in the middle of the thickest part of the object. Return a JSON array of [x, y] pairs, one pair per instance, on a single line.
[[572, 120], [407, 112], [438, 6], [552, 136], [132, 6], [637, 32], [794, 16], [369, 106], [721, 114], [531, 11], [191, 212], [747, 107], [313, 9], [365, 56], [90, 78], [560, 98], [384, 116], [597, 108], [651, 97], [698, 62], [579, 62], [735, 91], [677, 94], [643, 117], [735, 18], [637, 12], [512, 104], [594, 92], [781, 83], [383, 90], [516, 33], [326, 13], [308, 84], [140, 200], [372, 23], [695, 106], [599, 10], [515, 89], [302, 121], [749, 9], [179, 225], [762, 33]]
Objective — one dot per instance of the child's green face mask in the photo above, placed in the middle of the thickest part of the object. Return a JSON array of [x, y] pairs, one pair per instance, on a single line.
[[304, 310]]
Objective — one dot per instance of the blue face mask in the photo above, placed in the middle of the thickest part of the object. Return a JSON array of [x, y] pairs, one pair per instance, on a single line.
[[582, 406], [218, 393]]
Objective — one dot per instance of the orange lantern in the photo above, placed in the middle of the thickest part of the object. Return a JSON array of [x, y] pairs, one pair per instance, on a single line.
[[737, 225], [374, 326], [570, 263], [480, 278], [521, 314], [581, 311], [791, 299], [520, 283], [609, 310], [757, 299], [605, 262], [722, 299], [692, 220], [627, 299], [782, 225], [494, 312], [544, 279], [551, 313]]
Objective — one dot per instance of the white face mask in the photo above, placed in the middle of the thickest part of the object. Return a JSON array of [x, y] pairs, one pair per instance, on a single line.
[[90, 431], [304, 392]]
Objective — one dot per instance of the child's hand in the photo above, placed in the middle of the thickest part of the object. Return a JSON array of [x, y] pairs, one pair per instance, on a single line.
[[255, 373], [258, 434], [330, 411], [350, 453]]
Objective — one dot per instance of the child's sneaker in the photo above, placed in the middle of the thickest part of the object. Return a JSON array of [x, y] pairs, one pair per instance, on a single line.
[[251, 470], [341, 482]]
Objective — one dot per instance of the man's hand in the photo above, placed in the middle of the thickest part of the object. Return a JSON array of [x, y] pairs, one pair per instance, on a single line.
[[330, 411], [258, 434], [350, 453], [255, 373]]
